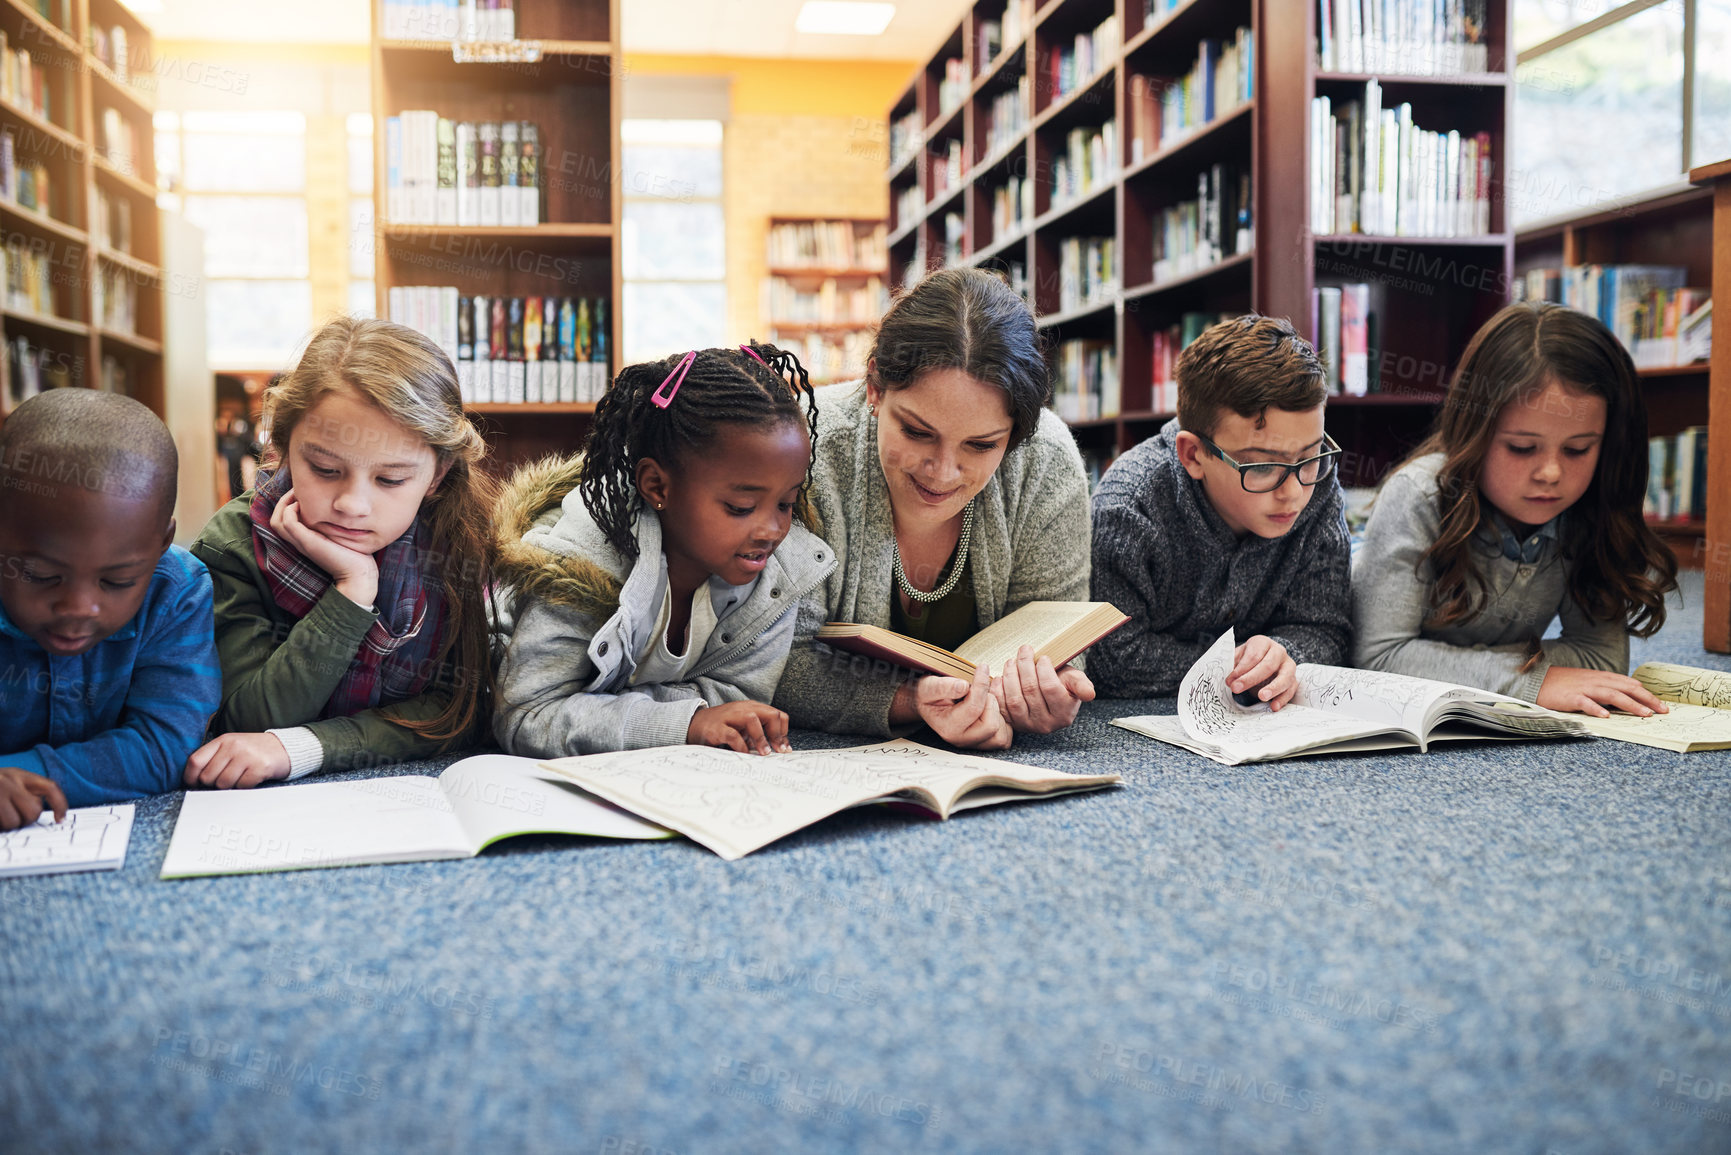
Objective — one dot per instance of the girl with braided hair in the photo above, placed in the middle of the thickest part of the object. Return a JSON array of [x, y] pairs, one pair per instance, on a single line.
[[654, 578]]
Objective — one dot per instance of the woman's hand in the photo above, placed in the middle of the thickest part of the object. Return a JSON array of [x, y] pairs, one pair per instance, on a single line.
[[961, 713], [237, 762], [1579, 691], [1038, 699], [355, 574]]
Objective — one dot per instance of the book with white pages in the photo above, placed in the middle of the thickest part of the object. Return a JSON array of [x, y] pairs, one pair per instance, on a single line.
[[88, 838], [1338, 711], [736, 803], [1698, 715], [406, 818]]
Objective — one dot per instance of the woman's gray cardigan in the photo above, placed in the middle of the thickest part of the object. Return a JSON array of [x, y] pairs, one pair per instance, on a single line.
[[1030, 544]]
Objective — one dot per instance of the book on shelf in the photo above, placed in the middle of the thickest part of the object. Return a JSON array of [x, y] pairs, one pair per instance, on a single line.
[[1402, 37], [839, 246], [736, 803], [1166, 346], [953, 88], [112, 376], [1087, 162], [1085, 385], [947, 172], [32, 369], [1338, 711], [1650, 308], [24, 81], [442, 172], [1056, 630], [907, 134], [1194, 235], [1699, 717], [1072, 66], [1087, 271], [828, 357], [1012, 207], [29, 276], [1341, 327], [909, 206], [512, 350], [1095, 463], [1007, 31], [1677, 476], [111, 224], [114, 299], [486, 20], [119, 141], [1374, 172], [955, 238], [1164, 110], [1007, 118], [24, 181], [472, 804], [831, 303], [109, 45]]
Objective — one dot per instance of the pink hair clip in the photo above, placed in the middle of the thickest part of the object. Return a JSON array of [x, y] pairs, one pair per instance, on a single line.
[[679, 371], [754, 355]]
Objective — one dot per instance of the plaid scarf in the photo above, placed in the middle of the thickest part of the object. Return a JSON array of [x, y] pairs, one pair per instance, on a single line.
[[398, 656]]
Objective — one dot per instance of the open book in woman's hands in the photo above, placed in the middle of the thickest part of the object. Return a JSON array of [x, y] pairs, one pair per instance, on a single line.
[[1338, 711], [1056, 630]]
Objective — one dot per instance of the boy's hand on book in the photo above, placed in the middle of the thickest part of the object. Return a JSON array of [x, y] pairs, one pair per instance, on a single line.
[[1578, 691], [1262, 664], [355, 574], [749, 727], [237, 762], [23, 795], [1037, 698], [962, 713]]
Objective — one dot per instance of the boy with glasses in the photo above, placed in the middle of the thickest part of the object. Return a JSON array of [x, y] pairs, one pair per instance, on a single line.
[[1230, 517]]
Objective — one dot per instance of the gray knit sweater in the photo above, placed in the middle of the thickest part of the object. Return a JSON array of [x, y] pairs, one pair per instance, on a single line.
[[1391, 590], [1030, 543], [1163, 556]]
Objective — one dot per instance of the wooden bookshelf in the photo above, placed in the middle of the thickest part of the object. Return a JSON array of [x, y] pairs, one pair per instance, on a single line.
[[1716, 604], [1425, 318], [572, 93], [832, 350], [1670, 226], [89, 98]]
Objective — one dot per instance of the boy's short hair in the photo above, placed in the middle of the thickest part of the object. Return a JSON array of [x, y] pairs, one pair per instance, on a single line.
[[103, 442], [1247, 364]]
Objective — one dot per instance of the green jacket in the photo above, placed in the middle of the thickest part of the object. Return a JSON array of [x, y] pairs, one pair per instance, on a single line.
[[279, 670]]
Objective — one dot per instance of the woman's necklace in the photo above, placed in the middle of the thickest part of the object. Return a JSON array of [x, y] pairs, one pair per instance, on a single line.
[[955, 574]]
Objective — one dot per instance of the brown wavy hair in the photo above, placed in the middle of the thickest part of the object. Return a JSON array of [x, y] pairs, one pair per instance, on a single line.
[[409, 379], [1618, 567]]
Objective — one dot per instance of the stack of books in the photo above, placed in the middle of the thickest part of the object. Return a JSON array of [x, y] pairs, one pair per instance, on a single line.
[[1372, 171], [785, 303], [1163, 112], [490, 20], [1087, 163], [1677, 476], [1657, 317], [1168, 343], [1071, 67], [827, 245], [442, 172], [1086, 385], [1194, 235], [513, 350], [1087, 271], [1402, 37]]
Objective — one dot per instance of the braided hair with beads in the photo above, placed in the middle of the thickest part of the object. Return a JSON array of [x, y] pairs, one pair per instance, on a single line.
[[754, 385]]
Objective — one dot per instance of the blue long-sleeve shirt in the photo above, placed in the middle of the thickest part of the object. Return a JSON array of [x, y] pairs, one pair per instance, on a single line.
[[119, 720]]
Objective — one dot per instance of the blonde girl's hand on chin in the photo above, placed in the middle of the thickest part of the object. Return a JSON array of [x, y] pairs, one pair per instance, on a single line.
[[355, 574]]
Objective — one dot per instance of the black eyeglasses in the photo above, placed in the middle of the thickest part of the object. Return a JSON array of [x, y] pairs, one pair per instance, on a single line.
[[1268, 476]]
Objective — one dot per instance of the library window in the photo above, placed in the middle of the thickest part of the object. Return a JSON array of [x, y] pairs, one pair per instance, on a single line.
[[1591, 71], [241, 177], [672, 247]]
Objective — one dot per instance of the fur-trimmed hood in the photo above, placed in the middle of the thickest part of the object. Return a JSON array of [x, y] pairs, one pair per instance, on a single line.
[[548, 544]]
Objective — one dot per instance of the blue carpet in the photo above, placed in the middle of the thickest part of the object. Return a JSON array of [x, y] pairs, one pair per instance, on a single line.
[[1492, 948]]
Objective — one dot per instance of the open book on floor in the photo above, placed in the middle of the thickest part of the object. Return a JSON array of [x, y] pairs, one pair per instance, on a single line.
[[407, 818], [1057, 630], [1338, 711], [1699, 718], [736, 803]]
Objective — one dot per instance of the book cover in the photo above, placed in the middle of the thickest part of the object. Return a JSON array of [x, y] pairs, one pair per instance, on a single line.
[[487, 134], [532, 349], [468, 176], [529, 175], [1354, 339], [510, 174], [446, 192], [1056, 630], [568, 366]]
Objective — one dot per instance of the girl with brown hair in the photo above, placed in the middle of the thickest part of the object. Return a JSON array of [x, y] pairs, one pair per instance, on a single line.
[[1523, 505]]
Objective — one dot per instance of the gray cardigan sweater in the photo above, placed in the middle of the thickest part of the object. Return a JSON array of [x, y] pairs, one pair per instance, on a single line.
[[1163, 556], [565, 684], [1390, 600], [1030, 543]]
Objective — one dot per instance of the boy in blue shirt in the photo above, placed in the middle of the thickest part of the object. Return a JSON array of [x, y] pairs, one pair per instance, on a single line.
[[108, 666]]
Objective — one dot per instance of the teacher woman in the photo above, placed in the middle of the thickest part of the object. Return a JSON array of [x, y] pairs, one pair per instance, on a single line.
[[952, 497]]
